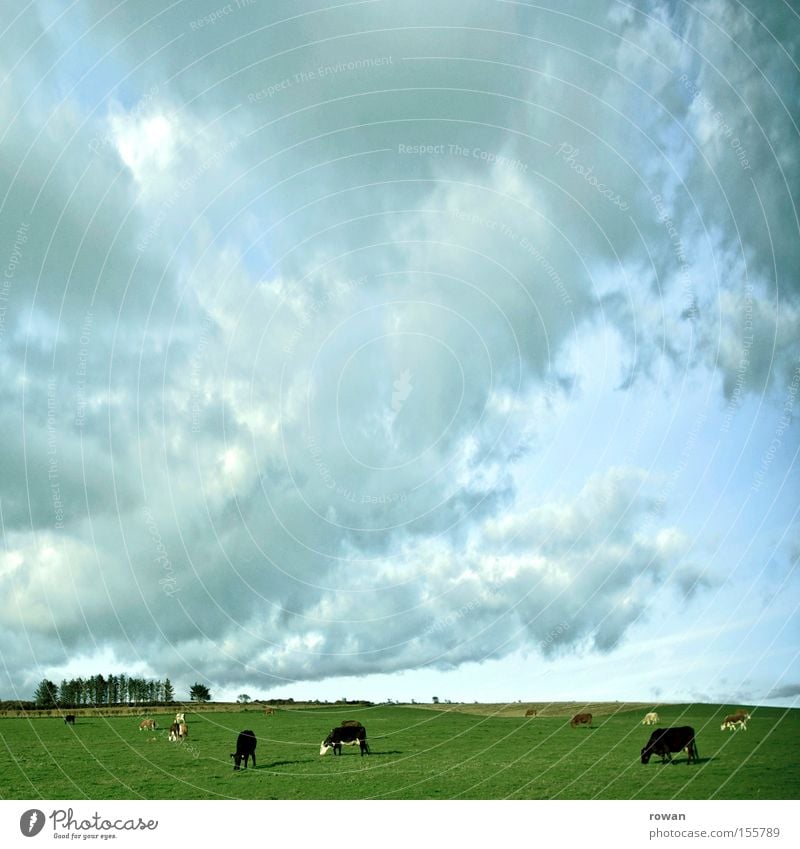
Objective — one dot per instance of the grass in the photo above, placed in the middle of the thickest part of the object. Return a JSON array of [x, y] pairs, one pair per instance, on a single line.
[[417, 753]]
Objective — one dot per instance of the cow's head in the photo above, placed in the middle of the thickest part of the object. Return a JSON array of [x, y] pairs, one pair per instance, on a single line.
[[237, 760], [647, 753], [326, 744]]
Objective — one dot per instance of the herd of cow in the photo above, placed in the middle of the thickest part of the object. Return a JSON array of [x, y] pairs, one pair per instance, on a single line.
[[350, 733], [663, 741], [667, 741]]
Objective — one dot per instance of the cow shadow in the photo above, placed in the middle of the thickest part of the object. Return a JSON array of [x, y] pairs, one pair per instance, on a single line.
[[279, 763]]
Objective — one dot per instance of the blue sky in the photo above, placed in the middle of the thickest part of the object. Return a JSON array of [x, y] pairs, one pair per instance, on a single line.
[[397, 350]]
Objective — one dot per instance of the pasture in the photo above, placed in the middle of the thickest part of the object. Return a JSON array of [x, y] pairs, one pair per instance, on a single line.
[[417, 753]]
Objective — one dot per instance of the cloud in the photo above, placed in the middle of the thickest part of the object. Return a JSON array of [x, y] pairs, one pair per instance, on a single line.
[[785, 691], [301, 302]]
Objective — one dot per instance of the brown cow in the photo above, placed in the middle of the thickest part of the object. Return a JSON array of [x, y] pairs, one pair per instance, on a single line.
[[734, 722], [178, 731], [147, 725], [581, 719], [530, 712], [269, 711]]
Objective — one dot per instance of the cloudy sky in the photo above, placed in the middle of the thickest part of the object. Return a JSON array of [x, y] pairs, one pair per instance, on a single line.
[[390, 349]]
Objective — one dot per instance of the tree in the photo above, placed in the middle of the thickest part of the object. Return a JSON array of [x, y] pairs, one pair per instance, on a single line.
[[113, 689], [66, 694], [436, 700], [169, 692], [46, 694], [199, 693], [243, 699]]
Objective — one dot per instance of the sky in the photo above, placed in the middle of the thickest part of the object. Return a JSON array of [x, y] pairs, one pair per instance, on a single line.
[[379, 350]]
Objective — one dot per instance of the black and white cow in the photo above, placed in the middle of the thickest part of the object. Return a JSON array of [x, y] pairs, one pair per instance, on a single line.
[[348, 735], [245, 748], [665, 741]]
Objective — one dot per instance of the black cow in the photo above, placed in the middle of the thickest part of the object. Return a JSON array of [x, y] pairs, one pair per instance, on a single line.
[[664, 741], [245, 748], [69, 719], [349, 735]]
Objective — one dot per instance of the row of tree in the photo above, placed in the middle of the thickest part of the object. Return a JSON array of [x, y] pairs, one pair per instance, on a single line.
[[99, 690]]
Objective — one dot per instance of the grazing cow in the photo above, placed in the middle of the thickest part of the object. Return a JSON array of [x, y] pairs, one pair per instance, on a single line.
[[245, 748], [741, 714], [349, 735], [147, 725], [530, 712], [650, 718], [734, 722], [665, 741], [269, 711], [581, 719], [69, 719]]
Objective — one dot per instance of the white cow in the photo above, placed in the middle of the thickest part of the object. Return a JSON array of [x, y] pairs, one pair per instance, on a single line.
[[650, 718]]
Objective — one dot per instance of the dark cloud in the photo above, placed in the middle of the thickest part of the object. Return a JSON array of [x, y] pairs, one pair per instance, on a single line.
[[785, 691]]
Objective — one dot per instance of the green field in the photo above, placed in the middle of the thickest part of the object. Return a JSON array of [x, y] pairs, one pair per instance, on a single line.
[[417, 753]]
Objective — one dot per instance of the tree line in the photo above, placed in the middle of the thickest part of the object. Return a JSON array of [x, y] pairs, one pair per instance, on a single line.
[[98, 690]]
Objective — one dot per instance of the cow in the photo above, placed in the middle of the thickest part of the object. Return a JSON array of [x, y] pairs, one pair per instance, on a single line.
[[245, 748], [269, 711], [147, 725], [69, 719], [178, 731], [581, 719], [665, 741], [734, 722], [530, 712], [741, 714], [349, 735], [650, 718]]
